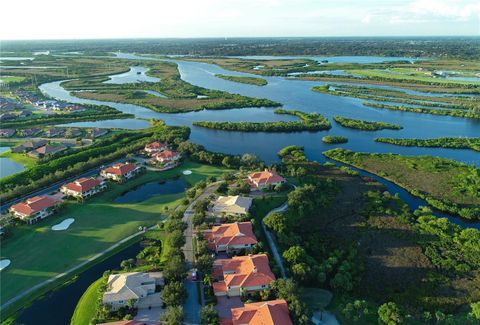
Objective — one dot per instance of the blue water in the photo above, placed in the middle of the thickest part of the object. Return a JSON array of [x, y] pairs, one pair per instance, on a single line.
[[135, 75], [295, 94], [8, 166], [148, 190]]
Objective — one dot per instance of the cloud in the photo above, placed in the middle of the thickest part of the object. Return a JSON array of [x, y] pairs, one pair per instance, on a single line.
[[457, 10]]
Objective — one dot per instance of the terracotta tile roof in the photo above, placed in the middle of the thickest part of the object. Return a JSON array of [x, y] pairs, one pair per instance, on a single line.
[[246, 271], [265, 178], [274, 312], [119, 169], [166, 154], [82, 185], [34, 205], [238, 233], [157, 145]]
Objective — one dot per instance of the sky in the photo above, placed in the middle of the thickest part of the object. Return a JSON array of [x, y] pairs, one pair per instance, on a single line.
[[63, 19]]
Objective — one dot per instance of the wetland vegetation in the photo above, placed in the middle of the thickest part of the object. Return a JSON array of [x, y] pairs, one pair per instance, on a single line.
[[365, 125], [244, 80], [453, 143]]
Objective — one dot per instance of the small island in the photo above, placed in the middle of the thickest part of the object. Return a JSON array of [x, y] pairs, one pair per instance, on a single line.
[[309, 122], [244, 80], [334, 139], [365, 125], [451, 143]]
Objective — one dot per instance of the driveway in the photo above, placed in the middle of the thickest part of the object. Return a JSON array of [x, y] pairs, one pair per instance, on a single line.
[[191, 307], [224, 305], [149, 316]]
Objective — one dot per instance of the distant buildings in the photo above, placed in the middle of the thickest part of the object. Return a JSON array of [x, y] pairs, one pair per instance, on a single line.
[[242, 274], [54, 132], [133, 287], [34, 209], [261, 180], [83, 187], [232, 205], [96, 132], [47, 150], [29, 146], [231, 237], [120, 172], [7, 133]]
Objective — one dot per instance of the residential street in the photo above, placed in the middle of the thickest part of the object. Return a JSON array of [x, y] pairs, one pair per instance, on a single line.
[[271, 241], [192, 307]]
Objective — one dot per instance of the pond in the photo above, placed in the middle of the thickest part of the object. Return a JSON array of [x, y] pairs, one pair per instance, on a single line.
[[135, 75], [8, 166], [65, 299], [148, 190]]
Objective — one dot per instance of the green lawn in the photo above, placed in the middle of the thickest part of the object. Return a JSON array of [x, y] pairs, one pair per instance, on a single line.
[[87, 305], [316, 298], [8, 79], [38, 253], [20, 158]]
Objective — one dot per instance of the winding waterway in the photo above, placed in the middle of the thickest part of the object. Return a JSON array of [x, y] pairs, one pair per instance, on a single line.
[[293, 94]]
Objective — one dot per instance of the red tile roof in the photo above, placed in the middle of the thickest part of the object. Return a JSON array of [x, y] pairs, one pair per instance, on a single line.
[[157, 145], [166, 154], [82, 185], [238, 233], [266, 177], [274, 312], [120, 169], [34, 205], [246, 271]]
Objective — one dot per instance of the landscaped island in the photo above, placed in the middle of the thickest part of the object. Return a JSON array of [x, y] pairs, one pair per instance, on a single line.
[[445, 184], [244, 80], [331, 139], [310, 122], [454, 143], [364, 125]]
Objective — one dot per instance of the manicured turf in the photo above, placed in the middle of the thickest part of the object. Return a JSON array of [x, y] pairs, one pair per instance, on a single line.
[[20, 158], [38, 253], [87, 305]]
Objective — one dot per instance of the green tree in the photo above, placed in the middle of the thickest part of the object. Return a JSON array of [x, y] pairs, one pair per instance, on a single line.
[[390, 314], [173, 315], [209, 316], [475, 306], [174, 294], [175, 268]]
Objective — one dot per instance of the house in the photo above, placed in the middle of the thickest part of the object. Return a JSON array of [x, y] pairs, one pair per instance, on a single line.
[[73, 133], [83, 187], [232, 205], [119, 172], [30, 132], [47, 150], [231, 237], [7, 117], [6, 133], [96, 132], [24, 113], [273, 312], [261, 180], [34, 209], [29, 146], [167, 156], [241, 274], [54, 132], [155, 147], [128, 288]]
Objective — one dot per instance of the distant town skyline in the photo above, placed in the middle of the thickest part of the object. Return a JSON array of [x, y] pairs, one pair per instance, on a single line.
[[56, 19]]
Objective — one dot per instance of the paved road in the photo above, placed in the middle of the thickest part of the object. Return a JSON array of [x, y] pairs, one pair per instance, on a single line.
[[271, 241], [192, 307], [54, 187]]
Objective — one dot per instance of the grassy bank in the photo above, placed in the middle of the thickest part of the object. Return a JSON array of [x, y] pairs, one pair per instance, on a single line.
[[87, 304], [20, 158], [244, 80], [445, 184]]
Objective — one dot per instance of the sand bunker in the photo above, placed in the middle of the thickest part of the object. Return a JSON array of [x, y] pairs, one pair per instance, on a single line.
[[4, 264], [63, 225], [187, 172]]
